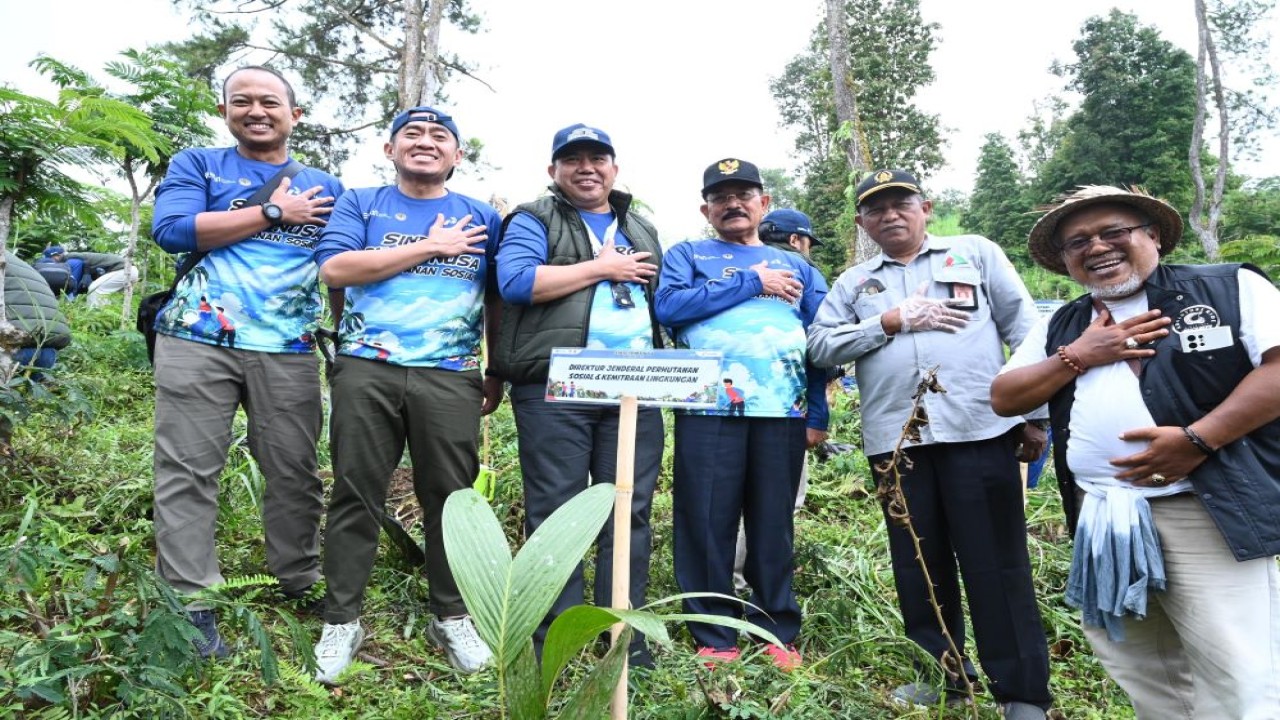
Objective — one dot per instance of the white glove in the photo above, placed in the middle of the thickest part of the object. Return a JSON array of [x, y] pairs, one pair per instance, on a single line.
[[920, 313]]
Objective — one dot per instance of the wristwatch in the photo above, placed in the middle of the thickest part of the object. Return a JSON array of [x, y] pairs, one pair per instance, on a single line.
[[272, 213], [1042, 424]]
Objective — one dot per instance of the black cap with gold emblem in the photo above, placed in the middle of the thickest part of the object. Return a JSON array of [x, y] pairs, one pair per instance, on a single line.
[[884, 180], [730, 170]]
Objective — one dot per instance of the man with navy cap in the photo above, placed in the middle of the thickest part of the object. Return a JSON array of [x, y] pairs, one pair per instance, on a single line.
[[789, 229], [751, 301], [951, 303], [576, 269], [414, 259]]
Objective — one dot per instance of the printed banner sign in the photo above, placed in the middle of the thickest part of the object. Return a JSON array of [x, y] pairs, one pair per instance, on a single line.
[[664, 378]]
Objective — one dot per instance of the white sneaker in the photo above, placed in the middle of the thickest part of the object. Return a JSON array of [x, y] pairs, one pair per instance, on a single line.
[[462, 644], [336, 649]]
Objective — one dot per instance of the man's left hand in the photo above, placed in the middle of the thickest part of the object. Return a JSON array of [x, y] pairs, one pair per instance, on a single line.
[[813, 438], [492, 394], [1031, 443], [1168, 458]]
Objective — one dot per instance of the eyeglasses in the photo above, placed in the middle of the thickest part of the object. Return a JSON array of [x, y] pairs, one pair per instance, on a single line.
[[1111, 236], [901, 206], [743, 196]]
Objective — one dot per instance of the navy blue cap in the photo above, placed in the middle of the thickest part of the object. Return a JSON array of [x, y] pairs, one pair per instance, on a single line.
[[424, 114], [54, 250], [579, 133], [790, 221], [884, 180], [730, 170]]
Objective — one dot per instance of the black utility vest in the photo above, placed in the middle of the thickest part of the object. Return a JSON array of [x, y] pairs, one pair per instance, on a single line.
[[1240, 484]]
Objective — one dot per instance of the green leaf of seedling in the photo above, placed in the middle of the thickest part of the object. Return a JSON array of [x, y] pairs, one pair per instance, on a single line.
[[481, 564], [522, 689], [543, 566], [591, 698], [570, 632], [508, 598]]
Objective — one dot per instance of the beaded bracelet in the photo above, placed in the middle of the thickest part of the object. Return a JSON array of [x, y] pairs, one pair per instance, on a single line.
[[1198, 441], [1062, 354]]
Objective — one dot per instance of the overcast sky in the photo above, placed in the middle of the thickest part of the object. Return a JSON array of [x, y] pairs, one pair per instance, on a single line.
[[678, 84]]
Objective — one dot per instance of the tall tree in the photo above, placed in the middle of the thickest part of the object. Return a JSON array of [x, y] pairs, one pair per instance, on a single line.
[[360, 61], [849, 135], [884, 62], [998, 205], [1046, 127], [1135, 121], [178, 106], [1240, 115], [781, 188]]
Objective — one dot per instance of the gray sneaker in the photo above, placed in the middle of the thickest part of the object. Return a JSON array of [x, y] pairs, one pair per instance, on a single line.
[[1022, 711], [336, 649], [467, 653], [922, 695]]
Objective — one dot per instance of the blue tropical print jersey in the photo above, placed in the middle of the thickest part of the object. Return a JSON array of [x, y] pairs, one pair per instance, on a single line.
[[258, 294], [610, 326], [712, 299], [430, 315]]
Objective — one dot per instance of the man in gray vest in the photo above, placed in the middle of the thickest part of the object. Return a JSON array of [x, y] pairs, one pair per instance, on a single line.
[[576, 269]]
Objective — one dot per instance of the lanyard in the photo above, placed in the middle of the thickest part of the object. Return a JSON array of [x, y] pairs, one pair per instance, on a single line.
[[609, 233]]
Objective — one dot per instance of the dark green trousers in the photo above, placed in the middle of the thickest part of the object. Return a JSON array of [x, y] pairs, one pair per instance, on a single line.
[[377, 408]]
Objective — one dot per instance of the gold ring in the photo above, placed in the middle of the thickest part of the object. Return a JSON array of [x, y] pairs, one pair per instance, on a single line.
[[1130, 343], [1159, 479]]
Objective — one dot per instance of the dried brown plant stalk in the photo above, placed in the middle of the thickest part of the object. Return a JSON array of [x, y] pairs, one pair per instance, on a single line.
[[889, 493]]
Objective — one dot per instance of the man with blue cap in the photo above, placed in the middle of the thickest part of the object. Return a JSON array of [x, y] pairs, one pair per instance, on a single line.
[[414, 259], [789, 229], [576, 268]]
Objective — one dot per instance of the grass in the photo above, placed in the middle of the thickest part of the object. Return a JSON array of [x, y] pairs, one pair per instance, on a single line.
[[91, 482]]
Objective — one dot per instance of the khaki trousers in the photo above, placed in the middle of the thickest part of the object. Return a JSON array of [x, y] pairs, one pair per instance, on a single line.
[[198, 389], [1209, 648]]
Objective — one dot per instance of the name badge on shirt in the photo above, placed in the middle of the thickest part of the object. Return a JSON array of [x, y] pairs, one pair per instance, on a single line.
[[965, 296]]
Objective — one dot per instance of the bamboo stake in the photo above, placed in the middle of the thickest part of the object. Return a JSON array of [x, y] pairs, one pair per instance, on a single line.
[[624, 484]]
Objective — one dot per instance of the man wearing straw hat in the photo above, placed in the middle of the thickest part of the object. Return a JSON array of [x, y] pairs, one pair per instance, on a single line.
[[1163, 384], [576, 269], [415, 259], [953, 303]]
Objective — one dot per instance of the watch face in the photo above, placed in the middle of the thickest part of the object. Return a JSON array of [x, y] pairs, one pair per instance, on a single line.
[[272, 212]]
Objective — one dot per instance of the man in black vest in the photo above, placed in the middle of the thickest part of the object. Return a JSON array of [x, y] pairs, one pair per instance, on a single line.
[[1163, 384], [576, 269]]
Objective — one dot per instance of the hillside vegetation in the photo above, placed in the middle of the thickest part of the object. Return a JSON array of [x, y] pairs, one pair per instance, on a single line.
[[86, 631]]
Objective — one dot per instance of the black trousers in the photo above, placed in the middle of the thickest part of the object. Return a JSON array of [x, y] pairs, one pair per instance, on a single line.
[[728, 468], [564, 448], [965, 501]]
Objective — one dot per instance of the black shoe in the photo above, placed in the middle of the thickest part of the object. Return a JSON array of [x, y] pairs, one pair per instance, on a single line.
[[638, 656], [207, 623]]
